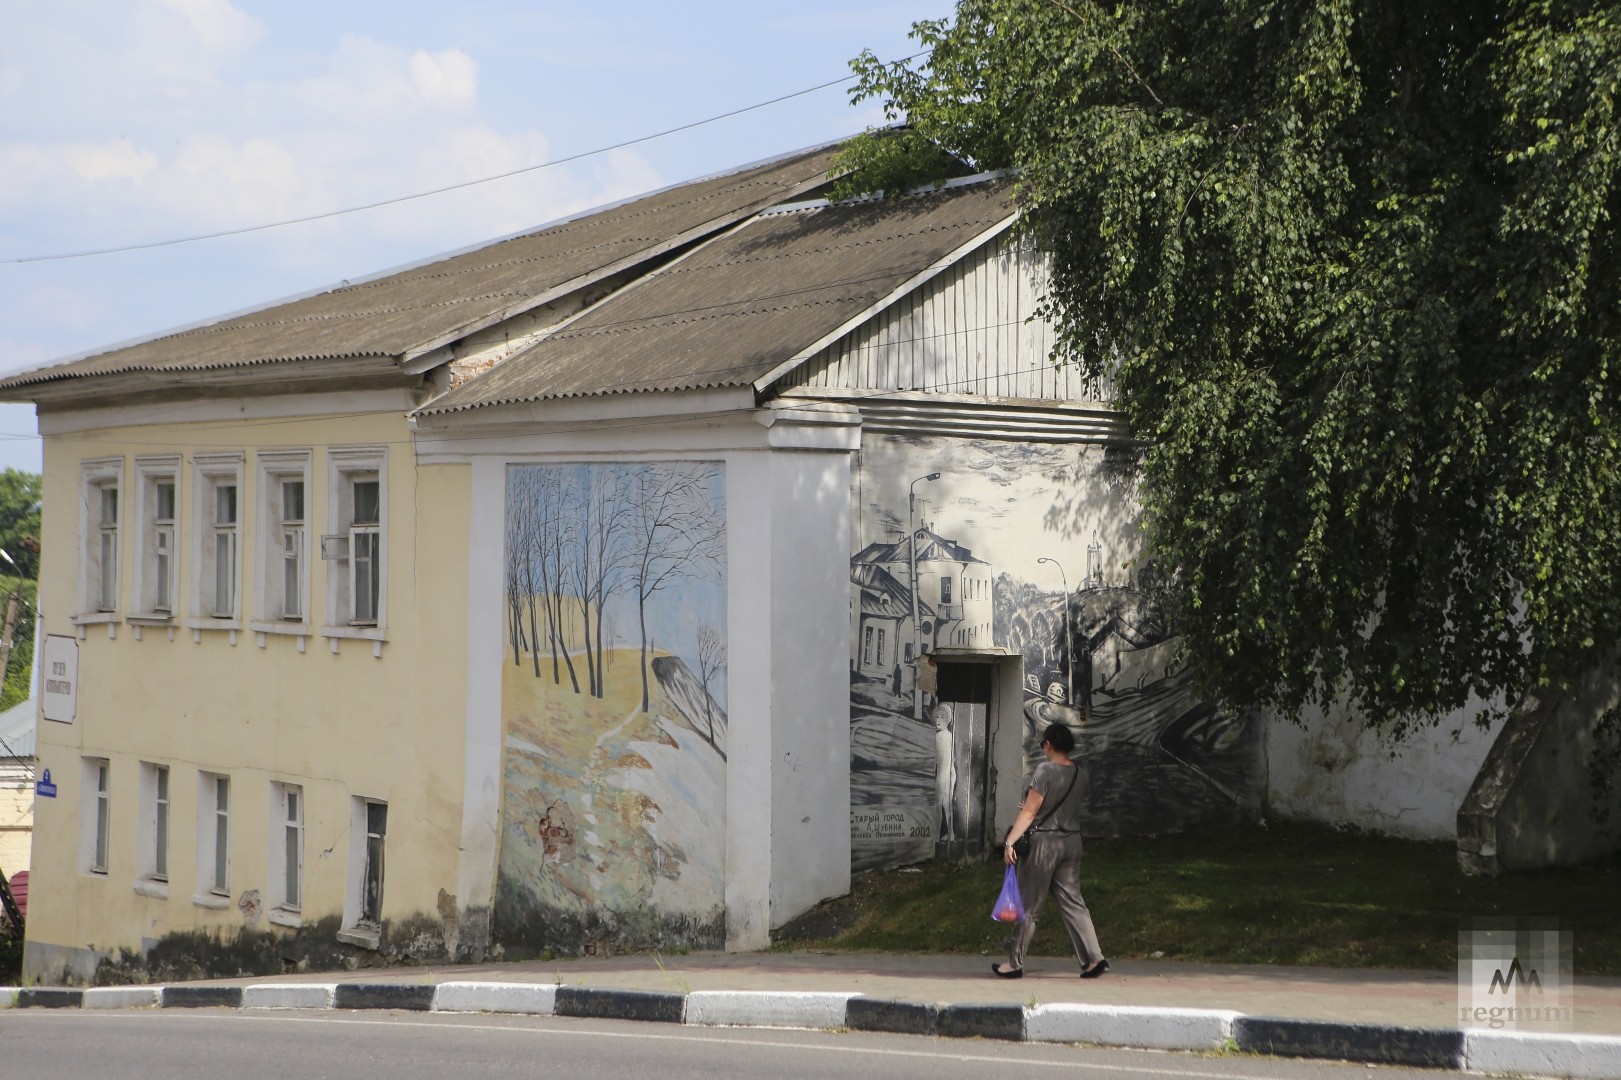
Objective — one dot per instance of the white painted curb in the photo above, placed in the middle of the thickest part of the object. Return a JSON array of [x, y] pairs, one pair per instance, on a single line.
[[1590, 1057], [8, 997], [1130, 1025], [765, 1008], [289, 995], [538, 999], [121, 997]]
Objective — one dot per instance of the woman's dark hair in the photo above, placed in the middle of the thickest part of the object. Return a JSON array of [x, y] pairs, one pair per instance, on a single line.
[[1061, 738]]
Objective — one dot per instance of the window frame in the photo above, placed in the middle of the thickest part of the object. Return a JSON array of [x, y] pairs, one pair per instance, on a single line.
[[150, 474], [345, 467], [275, 469], [362, 922], [95, 816], [213, 829], [95, 476], [285, 910], [209, 473], [156, 829]]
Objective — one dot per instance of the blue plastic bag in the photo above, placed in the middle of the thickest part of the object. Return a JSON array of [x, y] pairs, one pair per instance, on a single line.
[[1009, 904]]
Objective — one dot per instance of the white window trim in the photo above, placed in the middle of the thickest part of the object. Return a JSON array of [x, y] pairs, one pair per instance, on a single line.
[[292, 913], [207, 470], [355, 932], [95, 474], [274, 467], [150, 882], [342, 463], [205, 894], [148, 472], [90, 806]]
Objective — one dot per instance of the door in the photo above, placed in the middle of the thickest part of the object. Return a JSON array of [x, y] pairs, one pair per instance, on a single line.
[[962, 758]]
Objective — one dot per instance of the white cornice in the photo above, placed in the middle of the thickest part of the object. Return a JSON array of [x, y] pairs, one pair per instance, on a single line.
[[218, 410]]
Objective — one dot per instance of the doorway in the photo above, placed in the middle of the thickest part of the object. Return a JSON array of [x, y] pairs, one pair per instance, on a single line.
[[975, 742]]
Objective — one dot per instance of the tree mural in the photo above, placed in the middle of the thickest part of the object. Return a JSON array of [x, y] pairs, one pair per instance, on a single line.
[[579, 536], [613, 786]]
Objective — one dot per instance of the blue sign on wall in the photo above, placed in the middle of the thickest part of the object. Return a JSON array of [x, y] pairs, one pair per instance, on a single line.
[[44, 788]]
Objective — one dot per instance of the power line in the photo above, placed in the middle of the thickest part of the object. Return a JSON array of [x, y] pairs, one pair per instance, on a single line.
[[435, 191]]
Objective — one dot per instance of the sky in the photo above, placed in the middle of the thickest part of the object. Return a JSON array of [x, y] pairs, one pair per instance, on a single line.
[[128, 122]]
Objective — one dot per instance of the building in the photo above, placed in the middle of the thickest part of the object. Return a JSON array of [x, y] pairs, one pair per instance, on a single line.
[[17, 776], [559, 593]]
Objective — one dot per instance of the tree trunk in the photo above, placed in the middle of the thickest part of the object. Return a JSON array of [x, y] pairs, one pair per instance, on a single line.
[[641, 618]]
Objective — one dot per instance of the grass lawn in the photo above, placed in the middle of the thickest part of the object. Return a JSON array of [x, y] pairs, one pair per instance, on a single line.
[[1279, 894]]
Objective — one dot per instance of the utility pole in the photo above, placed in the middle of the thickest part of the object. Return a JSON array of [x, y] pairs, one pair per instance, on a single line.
[[7, 634]]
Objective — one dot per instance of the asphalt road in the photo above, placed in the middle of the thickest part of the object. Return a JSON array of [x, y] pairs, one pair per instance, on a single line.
[[249, 1045]]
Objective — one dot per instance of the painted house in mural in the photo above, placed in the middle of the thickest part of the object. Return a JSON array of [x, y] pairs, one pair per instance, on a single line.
[[629, 582]]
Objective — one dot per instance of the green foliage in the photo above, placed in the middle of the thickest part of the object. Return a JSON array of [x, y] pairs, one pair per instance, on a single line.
[[19, 521], [19, 668], [1352, 267]]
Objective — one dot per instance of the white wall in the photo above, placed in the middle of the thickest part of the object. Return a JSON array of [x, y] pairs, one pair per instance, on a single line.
[[810, 725], [1332, 769]]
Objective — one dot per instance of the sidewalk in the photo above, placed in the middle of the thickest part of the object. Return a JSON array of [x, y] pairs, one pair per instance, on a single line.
[[1394, 1017]]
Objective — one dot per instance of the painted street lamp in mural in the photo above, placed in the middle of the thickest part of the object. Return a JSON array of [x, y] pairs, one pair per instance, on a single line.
[[1069, 631], [917, 630]]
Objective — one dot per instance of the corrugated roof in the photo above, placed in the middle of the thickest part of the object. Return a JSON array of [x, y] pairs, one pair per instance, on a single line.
[[405, 312], [737, 307]]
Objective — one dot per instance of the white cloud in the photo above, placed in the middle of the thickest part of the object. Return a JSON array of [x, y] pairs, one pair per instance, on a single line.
[[218, 26], [447, 80], [116, 160]]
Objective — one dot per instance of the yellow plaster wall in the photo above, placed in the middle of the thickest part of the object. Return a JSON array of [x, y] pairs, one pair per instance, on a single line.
[[341, 724]]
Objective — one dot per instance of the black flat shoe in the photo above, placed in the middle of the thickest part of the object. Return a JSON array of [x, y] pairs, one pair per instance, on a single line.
[[1015, 973], [1095, 970]]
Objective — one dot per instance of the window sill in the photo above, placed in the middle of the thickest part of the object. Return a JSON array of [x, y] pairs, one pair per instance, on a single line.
[[291, 629], [288, 917], [363, 633], [150, 620], [212, 901], [94, 617], [213, 624], [157, 890], [366, 937]]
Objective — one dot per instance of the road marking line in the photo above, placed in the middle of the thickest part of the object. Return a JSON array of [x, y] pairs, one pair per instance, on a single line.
[[1158, 1070]]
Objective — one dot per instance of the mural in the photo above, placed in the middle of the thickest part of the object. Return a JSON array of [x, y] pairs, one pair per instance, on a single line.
[[1030, 551], [613, 692]]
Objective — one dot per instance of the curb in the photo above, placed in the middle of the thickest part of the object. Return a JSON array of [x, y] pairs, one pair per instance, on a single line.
[[1587, 1057], [1373, 1043]]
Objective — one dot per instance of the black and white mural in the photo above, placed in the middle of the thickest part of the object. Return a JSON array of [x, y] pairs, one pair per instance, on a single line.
[[1029, 553]]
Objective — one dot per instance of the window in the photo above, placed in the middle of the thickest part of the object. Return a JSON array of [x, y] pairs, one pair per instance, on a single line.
[[156, 521], [945, 589], [287, 848], [880, 648], [866, 646], [99, 519], [363, 906], [154, 822], [213, 836], [284, 542], [356, 556], [218, 566], [371, 899], [94, 818]]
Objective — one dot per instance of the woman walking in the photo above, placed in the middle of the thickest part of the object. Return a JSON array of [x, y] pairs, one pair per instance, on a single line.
[[1058, 795]]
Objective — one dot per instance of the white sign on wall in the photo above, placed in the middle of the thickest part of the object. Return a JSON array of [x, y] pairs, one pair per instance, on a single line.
[[59, 678]]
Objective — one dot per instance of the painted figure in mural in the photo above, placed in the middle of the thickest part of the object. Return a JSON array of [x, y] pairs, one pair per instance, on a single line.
[[1055, 856], [945, 769]]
